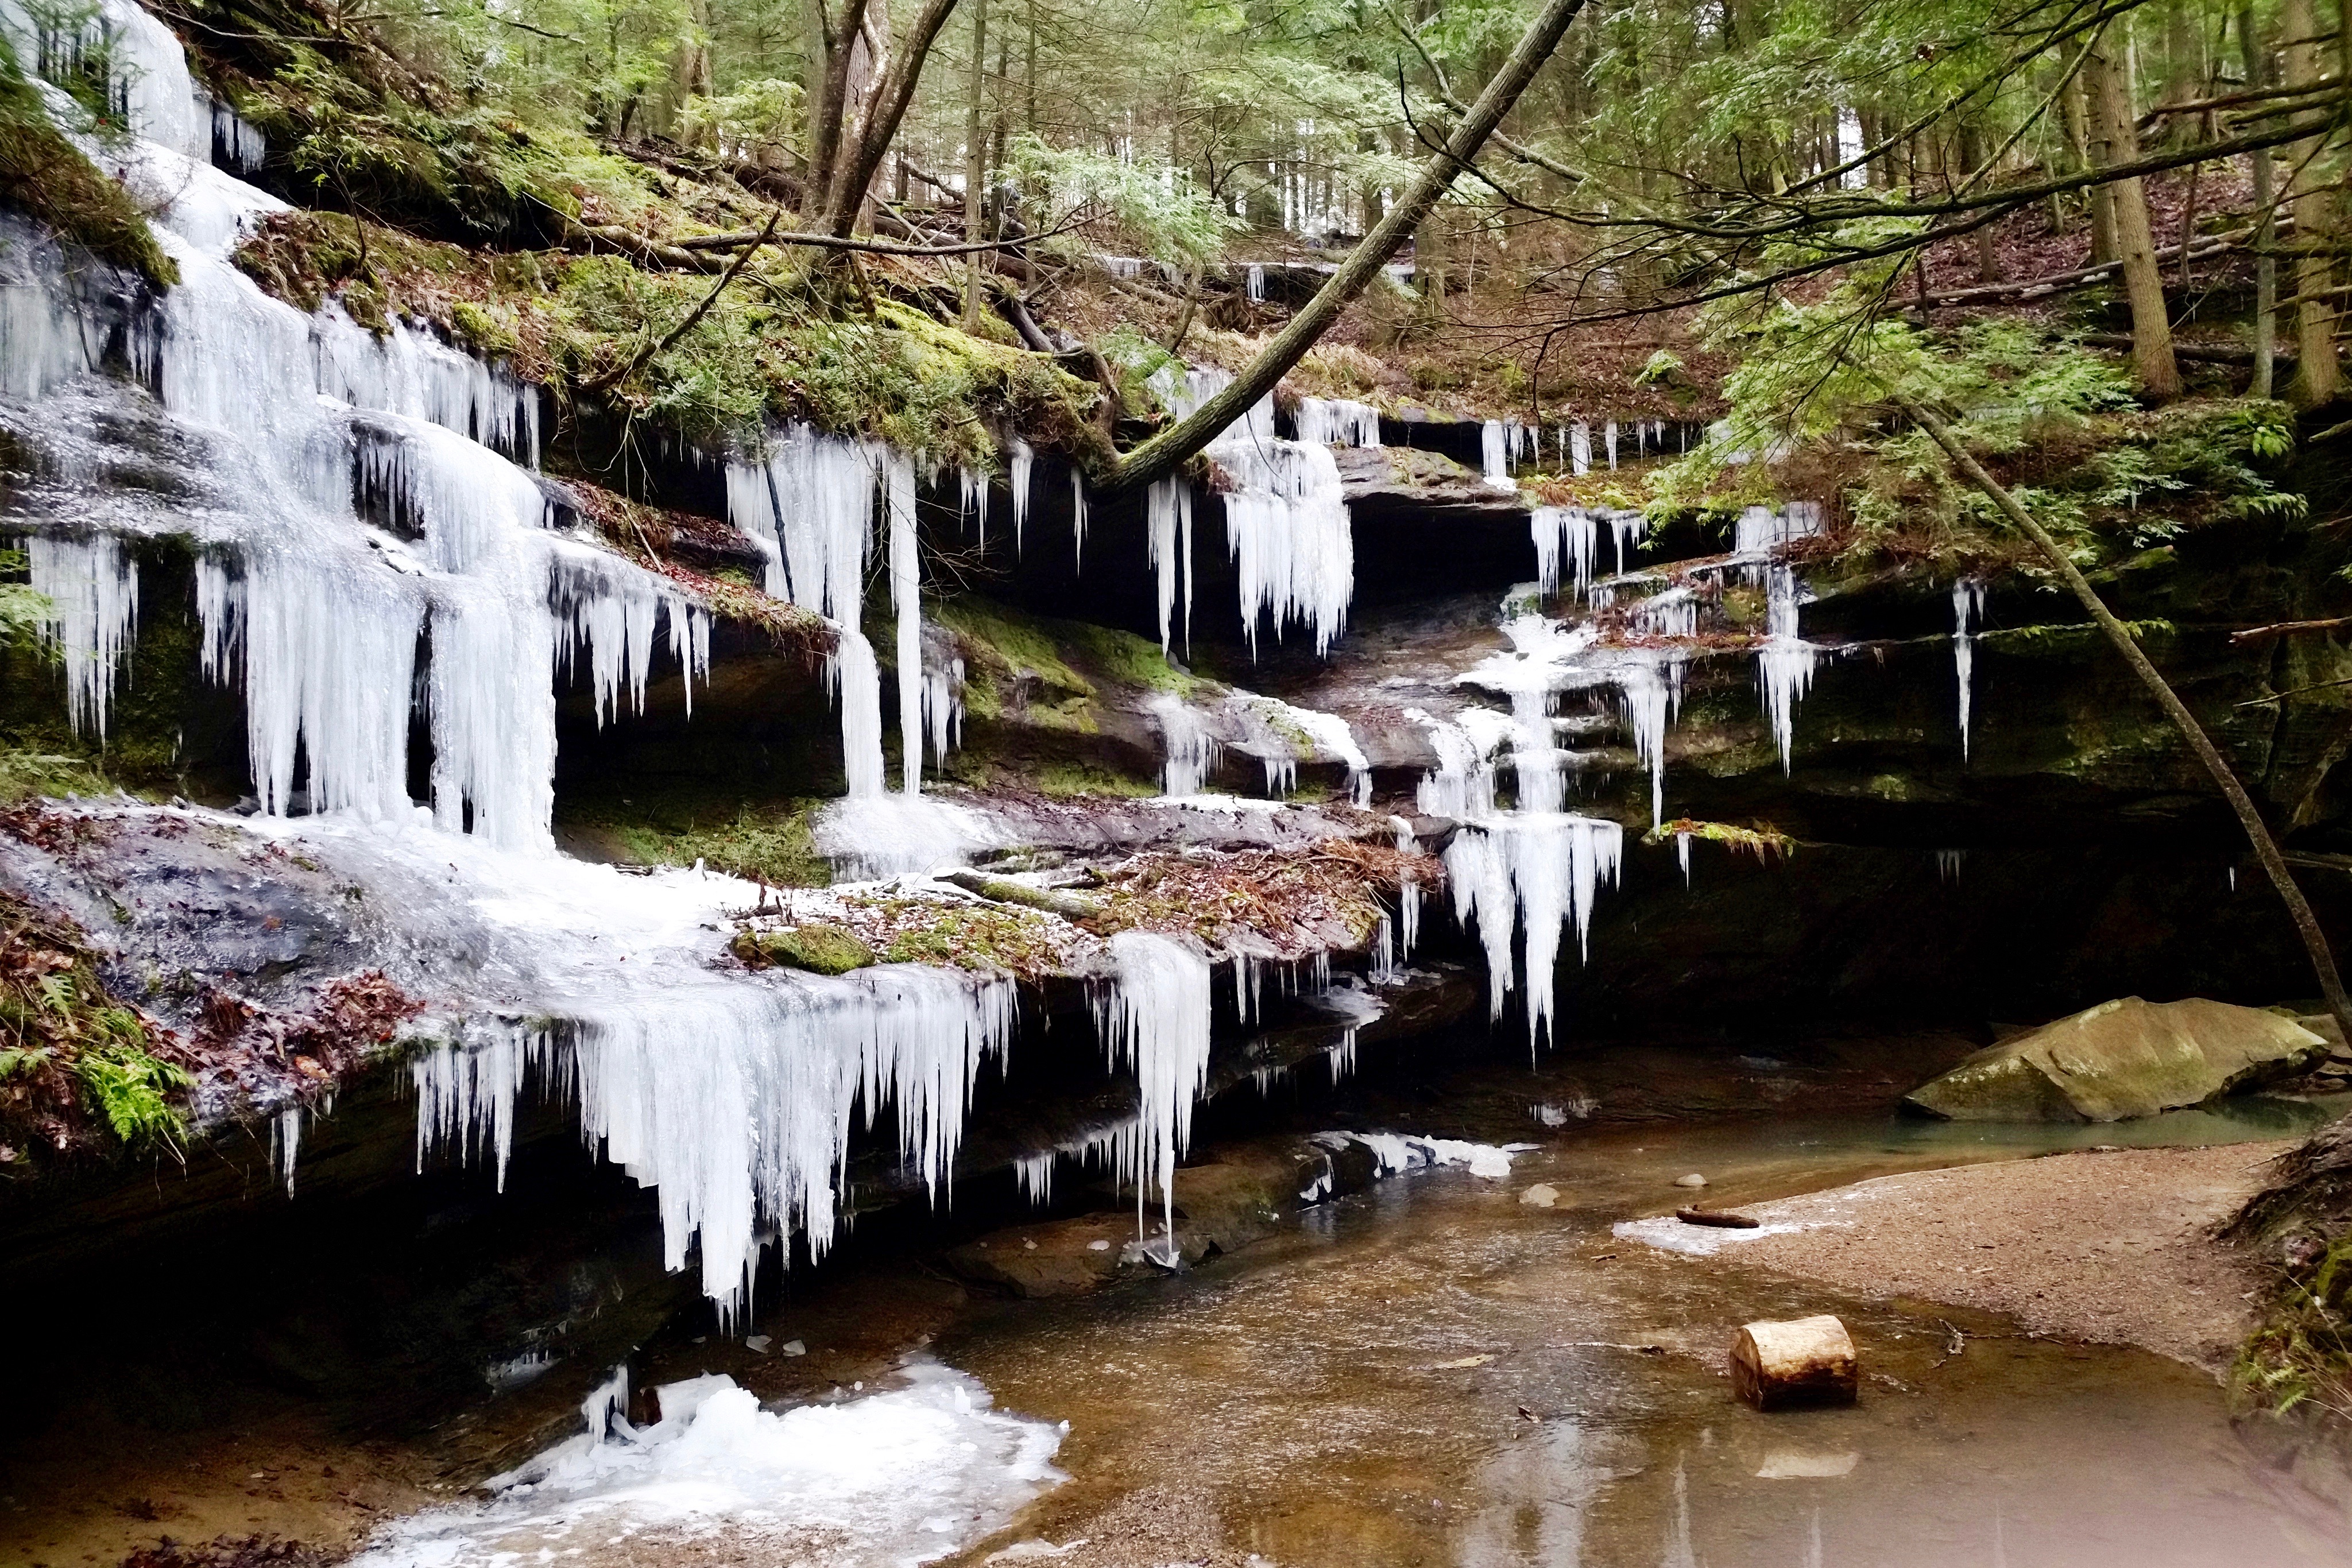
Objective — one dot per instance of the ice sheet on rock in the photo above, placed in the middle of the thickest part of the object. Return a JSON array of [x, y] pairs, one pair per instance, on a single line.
[[881, 835], [93, 586], [1192, 752], [1760, 529], [1332, 738], [410, 370], [1153, 1015], [899, 1477]]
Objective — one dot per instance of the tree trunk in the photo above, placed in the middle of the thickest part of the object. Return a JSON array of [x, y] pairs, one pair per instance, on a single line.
[[1161, 456], [1974, 155], [2102, 199], [974, 174], [2258, 75], [2317, 377], [2113, 140], [2266, 850]]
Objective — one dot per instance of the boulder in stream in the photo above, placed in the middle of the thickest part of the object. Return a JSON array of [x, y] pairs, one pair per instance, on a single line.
[[2122, 1059]]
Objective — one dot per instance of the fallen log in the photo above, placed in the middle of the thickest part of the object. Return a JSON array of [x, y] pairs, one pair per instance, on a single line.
[[1807, 1361], [1716, 1218]]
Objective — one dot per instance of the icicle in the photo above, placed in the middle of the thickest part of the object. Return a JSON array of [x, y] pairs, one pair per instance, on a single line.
[[93, 586], [1024, 458], [1168, 517], [1682, 854], [1948, 863], [1077, 521], [747, 1130], [1784, 663], [1253, 283], [1967, 605], [1288, 534], [859, 680], [1341, 421], [1579, 448], [1563, 533], [906, 602], [1534, 873], [286, 1143], [973, 501], [1153, 1015], [1652, 694], [1495, 456], [1036, 1173], [1626, 529], [1609, 437]]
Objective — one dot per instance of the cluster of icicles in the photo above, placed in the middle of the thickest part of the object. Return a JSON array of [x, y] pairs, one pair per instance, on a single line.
[[1507, 443], [383, 501], [378, 498]]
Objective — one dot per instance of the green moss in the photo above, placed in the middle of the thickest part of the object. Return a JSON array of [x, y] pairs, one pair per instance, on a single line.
[[1763, 841], [23, 774], [2037, 642], [48, 178], [773, 845], [971, 938], [1065, 780], [1127, 659], [820, 946]]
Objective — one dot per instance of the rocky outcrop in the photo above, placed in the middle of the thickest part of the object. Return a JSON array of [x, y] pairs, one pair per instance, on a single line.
[[2120, 1060]]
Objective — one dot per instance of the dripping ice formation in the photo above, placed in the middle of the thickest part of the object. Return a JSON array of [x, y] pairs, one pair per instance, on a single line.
[[808, 502], [1168, 518], [93, 586], [1968, 608], [1532, 873], [1154, 1018], [317, 608], [1287, 527]]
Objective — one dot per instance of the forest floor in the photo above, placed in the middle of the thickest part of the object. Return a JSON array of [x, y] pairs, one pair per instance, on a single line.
[[2112, 1247]]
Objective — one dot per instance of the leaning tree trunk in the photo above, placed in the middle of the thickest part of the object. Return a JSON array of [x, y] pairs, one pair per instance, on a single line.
[[1164, 453], [2114, 140], [2250, 817]]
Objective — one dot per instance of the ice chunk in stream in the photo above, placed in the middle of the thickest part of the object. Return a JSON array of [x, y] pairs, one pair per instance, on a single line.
[[902, 1476]]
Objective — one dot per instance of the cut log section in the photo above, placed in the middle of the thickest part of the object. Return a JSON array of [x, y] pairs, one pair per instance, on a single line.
[[1808, 1361]]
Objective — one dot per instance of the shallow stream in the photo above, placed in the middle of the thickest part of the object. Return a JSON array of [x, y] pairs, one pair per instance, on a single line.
[[1437, 1373]]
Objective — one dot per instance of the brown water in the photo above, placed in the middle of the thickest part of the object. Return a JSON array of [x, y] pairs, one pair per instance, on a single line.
[[1436, 1372]]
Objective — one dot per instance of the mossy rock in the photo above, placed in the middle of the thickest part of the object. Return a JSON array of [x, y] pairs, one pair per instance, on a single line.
[[819, 947], [47, 177]]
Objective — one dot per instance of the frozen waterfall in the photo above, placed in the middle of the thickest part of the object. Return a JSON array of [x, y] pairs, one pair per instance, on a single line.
[[1154, 1018]]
